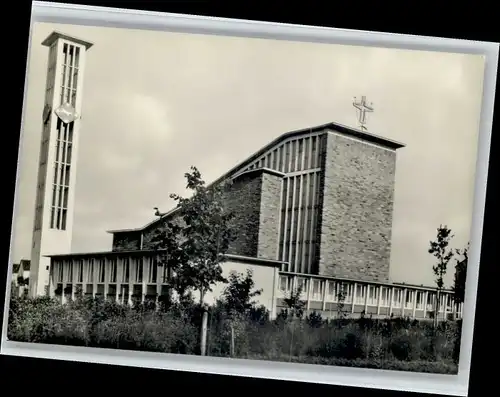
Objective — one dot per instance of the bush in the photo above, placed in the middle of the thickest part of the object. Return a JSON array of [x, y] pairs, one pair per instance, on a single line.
[[175, 328]]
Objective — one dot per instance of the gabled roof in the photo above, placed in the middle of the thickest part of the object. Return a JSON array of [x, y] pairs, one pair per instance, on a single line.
[[339, 128]]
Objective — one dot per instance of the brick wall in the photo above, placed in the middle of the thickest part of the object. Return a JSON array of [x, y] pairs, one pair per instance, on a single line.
[[126, 241], [269, 222], [357, 205], [150, 232], [254, 199], [243, 200]]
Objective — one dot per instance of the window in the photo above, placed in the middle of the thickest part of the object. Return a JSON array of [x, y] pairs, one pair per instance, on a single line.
[[126, 270], [397, 297], [313, 152], [360, 294], [102, 270], [373, 295], [317, 290], [80, 271], [293, 156], [449, 302], [430, 301], [409, 300], [344, 291], [275, 159], [332, 290], [60, 270], [302, 285], [153, 270], [138, 270], [90, 273], [287, 157], [69, 272], [384, 298], [301, 165], [113, 271]]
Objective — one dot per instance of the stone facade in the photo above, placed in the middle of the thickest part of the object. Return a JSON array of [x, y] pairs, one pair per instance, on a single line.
[[357, 205]]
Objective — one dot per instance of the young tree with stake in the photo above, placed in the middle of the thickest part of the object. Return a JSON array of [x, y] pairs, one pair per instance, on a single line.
[[195, 250], [440, 250]]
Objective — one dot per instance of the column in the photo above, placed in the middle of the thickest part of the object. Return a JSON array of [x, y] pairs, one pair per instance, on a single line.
[[131, 273], [52, 283], [379, 300], [415, 293], [367, 291], [145, 264], [64, 278], [353, 300], [426, 296], [445, 305], [107, 271], [159, 277], [325, 289], [119, 272], [307, 283], [73, 278], [391, 300], [95, 274]]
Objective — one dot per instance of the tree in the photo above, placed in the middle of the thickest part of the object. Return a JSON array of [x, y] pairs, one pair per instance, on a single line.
[[341, 297], [460, 275], [295, 305], [440, 250], [195, 250], [239, 293], [167, 240]]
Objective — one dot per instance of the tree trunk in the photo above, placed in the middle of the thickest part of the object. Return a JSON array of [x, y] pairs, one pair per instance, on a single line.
[[436, 307], [202, 296]]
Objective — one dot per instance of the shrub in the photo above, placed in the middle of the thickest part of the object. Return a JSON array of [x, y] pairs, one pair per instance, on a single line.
[[175, 328]]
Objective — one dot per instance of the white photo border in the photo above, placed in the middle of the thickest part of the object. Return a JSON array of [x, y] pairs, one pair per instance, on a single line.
[[453, 385]]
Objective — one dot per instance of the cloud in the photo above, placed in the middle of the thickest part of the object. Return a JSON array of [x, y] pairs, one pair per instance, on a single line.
[[156, 103]]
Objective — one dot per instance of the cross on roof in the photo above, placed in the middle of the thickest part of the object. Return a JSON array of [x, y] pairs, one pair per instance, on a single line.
[[362, 109]]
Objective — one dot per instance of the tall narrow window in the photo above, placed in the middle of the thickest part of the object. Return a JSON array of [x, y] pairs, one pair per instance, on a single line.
[[113, 271], [90, 274], [126, 270], [102, 270], [138, 270], [80, 271]]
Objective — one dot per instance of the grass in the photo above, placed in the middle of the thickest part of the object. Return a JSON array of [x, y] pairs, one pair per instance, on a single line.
[[394, 344]]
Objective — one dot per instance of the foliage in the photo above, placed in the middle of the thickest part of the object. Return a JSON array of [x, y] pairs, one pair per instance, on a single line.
[[440, 250], [194, 250], [239, 293], [341, 297], [294, 304], [460, 274], [390, 343]]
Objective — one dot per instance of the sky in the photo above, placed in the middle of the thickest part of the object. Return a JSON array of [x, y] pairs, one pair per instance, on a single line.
[[155, 103]]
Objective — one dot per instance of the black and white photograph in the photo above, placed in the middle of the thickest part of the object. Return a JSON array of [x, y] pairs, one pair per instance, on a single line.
[[245, 198]]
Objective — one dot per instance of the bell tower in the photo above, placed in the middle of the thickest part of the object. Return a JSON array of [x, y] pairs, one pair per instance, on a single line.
[[55, 193]]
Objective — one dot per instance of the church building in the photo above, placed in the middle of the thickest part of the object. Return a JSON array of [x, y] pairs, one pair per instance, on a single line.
[[313, 209]]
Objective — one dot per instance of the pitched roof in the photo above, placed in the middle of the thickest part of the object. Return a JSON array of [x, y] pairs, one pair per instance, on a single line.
[[339, 128]]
